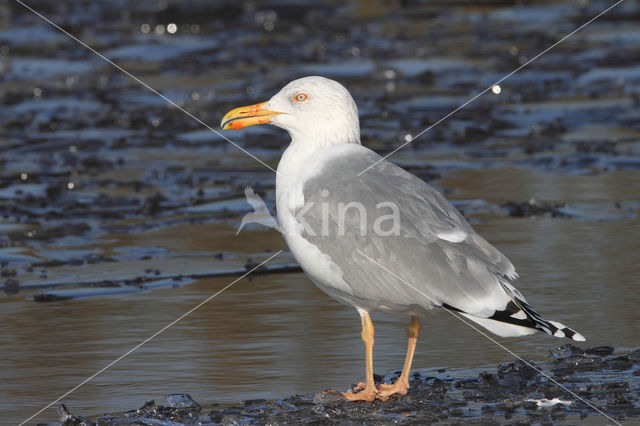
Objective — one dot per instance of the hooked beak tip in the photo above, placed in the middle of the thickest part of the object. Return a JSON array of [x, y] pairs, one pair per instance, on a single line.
[[246, 116]]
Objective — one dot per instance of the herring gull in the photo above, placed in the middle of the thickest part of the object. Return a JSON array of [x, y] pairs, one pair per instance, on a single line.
[[382, 240]]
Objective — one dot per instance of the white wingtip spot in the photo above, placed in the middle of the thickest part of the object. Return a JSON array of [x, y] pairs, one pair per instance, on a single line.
[[519, 315], [578, 337]]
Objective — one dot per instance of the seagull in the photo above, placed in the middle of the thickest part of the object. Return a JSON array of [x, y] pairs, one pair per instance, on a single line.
[[260, 213], [376, 237]]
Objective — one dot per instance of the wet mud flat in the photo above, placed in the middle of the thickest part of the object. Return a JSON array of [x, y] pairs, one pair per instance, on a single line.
[[89, 157], [109, 193], [512, 393]]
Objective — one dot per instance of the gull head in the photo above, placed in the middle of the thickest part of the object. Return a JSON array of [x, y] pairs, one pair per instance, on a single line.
[[314, 110]]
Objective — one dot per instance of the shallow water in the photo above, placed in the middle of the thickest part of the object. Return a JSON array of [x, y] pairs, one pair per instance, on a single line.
[[103, 187], [277, 335]]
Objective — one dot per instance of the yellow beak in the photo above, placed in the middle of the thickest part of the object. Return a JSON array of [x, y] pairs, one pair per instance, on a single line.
[[245, 116]]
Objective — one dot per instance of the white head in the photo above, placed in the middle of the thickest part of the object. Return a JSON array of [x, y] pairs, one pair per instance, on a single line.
[[314, 110]]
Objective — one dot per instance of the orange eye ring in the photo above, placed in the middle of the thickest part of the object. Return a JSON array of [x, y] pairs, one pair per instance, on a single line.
[[300, 97]]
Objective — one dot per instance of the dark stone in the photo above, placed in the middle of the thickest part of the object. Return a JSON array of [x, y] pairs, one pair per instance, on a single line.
[[183, 400], [599, 350]]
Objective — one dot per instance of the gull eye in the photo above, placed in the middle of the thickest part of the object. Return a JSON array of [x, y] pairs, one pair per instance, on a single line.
[[300, 97]]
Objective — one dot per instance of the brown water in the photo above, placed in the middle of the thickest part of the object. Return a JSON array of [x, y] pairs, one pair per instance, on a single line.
[[276, 335]]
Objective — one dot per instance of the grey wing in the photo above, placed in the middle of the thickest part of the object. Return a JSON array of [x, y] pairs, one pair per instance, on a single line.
[[398, 241]]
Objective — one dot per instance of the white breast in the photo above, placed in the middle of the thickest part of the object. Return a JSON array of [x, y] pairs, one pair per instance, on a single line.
[[297, 165]]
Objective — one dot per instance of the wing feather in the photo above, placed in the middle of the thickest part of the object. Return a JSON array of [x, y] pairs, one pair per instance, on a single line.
[[428, 252]]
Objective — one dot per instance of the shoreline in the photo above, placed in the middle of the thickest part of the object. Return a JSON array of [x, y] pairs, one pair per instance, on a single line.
[[512, 392]]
